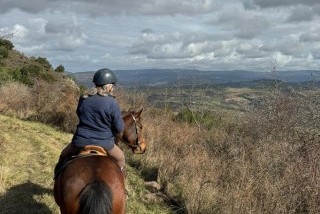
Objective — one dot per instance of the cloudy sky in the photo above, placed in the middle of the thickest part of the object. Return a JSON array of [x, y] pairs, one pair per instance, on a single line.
[[193, 34]]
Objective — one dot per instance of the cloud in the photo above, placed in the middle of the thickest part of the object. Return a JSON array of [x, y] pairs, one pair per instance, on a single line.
[[147, 31], [288, 46], [31, 6], [316, 9], [98, 7], [315, 54], [245, 24], [66, 36], [313, 36], [300, 14], [282, 3], [250, 50], [20, 31], [180, 46]]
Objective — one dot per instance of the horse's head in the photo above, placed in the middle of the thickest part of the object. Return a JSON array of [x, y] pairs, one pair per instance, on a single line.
[[132, 134]]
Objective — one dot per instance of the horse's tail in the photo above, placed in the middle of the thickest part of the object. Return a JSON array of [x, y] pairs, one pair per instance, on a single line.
[[96, 198]]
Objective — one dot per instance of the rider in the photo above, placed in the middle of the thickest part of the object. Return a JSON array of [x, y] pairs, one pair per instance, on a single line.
[[100, 120]]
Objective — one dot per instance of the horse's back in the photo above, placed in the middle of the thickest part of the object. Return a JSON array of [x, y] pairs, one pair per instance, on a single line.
[[86, 174]]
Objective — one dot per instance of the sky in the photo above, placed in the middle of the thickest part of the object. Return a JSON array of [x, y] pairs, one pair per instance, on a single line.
[[166, 34]]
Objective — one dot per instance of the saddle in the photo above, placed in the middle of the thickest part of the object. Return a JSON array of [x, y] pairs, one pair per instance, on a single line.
[[92, 150]]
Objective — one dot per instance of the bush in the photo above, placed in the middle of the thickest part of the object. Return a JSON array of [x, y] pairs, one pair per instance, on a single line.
[[16, 100], [206, 119], [6, 44], [5, 75], [44, 63], [28, 73], [4, 53], [53, 104], [59, 69]]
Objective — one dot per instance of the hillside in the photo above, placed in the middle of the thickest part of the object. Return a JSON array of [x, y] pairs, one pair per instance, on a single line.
[[28, 154]]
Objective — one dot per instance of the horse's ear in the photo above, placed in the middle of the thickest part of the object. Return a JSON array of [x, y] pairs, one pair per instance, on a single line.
[[138, 113]]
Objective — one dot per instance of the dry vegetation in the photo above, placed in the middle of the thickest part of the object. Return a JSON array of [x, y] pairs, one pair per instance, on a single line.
[[51, 103], [265, 160]]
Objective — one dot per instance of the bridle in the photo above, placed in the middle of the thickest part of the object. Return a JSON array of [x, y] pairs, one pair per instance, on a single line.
[[138, 142], [136, 148]]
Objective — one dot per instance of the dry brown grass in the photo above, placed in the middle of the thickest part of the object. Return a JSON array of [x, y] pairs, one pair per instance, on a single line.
[[15, 99], [266, 161], [52, 103]]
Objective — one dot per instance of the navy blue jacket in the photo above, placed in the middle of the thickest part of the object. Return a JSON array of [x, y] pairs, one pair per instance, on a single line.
[[99, 120]]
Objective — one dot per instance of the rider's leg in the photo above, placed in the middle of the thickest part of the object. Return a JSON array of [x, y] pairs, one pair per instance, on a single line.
[[118, 155], [66, 153]]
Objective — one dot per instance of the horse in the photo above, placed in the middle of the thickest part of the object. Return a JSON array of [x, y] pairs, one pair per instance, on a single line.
[[94, 183]]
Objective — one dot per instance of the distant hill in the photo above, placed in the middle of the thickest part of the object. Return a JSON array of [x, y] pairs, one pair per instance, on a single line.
[[182, 77]]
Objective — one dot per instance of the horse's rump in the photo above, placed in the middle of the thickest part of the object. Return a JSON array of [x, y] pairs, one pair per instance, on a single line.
[[93, 183]]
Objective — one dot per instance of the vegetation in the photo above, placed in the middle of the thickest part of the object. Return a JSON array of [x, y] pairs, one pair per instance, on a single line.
[[60, 69], [210, 150]]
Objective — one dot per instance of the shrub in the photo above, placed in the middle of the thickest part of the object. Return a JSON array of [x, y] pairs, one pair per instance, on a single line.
[[53, 104], [6, 44], [4, 53], [5, 75], [16, 100], [205, 119], [44, 63], [28, 73], [59, 69]]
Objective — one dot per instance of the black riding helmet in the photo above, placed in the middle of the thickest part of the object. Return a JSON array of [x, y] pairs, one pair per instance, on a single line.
[[104, 76]]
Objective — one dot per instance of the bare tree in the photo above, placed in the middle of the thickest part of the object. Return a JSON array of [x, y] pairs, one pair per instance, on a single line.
[[4, 35]]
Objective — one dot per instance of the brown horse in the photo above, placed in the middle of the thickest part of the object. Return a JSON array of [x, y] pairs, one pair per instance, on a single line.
[[94, 184]]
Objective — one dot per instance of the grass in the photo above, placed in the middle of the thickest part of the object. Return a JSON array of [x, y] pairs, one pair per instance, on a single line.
[[29, 151]]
